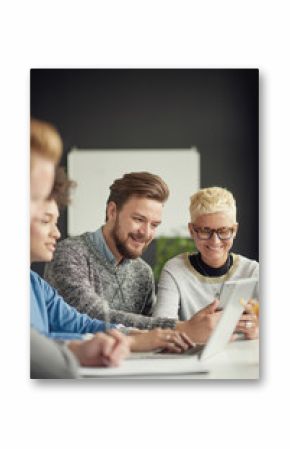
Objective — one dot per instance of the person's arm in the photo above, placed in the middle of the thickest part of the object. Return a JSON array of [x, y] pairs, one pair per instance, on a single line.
[[69, 272], [65, 321], [50, 359], [168, 340], [200, 326], [102, 350], [168, 297]]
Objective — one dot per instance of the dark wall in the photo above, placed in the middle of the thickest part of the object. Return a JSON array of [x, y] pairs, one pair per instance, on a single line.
[[214, 110]]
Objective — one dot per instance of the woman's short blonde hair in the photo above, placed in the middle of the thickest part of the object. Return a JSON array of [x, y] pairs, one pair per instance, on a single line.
[[45, 140], [212, 200]]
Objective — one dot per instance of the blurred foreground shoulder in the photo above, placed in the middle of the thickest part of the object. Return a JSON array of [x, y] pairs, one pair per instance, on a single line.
[[50, 359]]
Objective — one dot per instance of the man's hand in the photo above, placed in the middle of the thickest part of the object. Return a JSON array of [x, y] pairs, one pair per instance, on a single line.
[[167, 339], [102, 350], [200, 326]]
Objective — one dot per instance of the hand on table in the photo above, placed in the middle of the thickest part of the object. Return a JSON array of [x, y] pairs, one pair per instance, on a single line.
[[167, 339], [104, 349]]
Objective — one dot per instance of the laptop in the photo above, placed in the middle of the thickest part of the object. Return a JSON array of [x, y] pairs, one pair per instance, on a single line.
[[234, 296]]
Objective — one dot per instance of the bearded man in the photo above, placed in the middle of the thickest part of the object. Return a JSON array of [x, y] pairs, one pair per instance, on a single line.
[[101, 273]]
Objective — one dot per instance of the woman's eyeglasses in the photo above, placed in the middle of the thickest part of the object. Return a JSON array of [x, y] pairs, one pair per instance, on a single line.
[[224, 233]]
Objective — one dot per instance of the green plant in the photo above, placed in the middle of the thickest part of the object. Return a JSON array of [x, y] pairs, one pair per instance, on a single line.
[[168, 247]]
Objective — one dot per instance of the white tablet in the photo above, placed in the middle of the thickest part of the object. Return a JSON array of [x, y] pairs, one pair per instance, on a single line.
[[246, 288], [234, 296]]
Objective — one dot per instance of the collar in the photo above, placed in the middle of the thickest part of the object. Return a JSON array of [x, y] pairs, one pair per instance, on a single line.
[[99, 241], [204, 269]]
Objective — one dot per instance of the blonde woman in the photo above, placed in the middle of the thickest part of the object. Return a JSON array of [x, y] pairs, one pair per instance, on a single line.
[[189, 282]]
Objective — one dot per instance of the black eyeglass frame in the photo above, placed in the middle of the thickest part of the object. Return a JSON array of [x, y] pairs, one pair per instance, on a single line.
[[212, 231]]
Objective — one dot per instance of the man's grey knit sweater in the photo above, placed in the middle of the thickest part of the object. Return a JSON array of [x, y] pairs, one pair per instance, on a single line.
[[86, 279]]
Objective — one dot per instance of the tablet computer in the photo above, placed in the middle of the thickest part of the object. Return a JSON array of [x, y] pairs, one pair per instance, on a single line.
[[247, 287], [234, 296]]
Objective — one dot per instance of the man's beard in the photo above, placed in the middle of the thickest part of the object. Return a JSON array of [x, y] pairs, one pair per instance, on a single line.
[[121, 244]]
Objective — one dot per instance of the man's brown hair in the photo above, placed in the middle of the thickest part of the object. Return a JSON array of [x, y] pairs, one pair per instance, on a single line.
[[142, 184]]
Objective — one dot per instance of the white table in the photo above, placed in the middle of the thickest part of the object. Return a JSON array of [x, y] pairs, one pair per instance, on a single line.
[[239, 360]]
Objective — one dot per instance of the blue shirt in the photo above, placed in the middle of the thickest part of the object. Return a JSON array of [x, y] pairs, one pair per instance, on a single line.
[[98, 239], [52, 316]]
